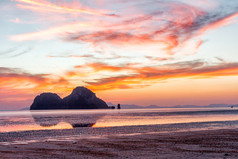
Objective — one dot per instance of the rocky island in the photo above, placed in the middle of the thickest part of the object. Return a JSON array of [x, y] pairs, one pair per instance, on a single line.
[[80, 98]]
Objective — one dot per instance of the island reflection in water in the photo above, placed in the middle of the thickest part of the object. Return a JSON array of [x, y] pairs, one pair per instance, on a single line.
[[47, 120]]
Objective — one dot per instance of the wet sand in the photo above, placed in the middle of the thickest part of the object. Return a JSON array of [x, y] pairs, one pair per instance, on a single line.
[[192, 144]]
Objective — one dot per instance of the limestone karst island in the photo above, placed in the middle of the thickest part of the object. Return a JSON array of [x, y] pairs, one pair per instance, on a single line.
[[80, 98]]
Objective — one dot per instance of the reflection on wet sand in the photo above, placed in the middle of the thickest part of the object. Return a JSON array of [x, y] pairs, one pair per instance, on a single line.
[[71, 119]]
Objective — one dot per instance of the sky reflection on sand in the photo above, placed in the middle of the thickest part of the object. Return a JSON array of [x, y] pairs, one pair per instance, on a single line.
[[31, 127], [108, 121]]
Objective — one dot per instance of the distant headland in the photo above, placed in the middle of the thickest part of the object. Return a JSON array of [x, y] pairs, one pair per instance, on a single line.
[[80, 98]]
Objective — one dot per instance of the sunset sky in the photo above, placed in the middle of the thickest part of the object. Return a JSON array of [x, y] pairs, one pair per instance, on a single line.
[[144, 52]]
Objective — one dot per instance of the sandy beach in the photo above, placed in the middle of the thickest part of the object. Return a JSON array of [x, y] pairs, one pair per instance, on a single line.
[[221, 143]]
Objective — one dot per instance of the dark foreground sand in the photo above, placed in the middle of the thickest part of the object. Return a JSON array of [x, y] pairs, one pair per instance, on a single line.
[[194, 144]]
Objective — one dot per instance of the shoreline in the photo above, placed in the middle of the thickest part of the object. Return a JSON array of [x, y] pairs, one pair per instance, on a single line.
[[220, 143]]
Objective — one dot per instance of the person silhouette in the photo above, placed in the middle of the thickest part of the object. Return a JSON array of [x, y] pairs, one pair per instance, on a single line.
[[118, 106]]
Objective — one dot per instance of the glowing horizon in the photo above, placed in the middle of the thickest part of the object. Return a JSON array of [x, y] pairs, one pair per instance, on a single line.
[[142, 52]]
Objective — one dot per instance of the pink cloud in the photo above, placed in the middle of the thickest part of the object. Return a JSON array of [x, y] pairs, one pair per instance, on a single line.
[[168, 25], [16, 20], [74, 7]]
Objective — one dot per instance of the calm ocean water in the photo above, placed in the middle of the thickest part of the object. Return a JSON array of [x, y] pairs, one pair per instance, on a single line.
[[31, 126]]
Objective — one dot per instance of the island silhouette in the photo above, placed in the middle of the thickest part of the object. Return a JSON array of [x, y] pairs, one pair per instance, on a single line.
[[80, 98]]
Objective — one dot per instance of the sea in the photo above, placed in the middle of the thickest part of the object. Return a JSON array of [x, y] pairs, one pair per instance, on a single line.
[[22, 127]]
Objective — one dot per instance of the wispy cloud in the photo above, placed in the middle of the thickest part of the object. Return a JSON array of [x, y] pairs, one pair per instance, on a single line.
[[14, 52], [52, 32], [16, 20], [167, 26], [47, 6], [70, 56], [170, 27]]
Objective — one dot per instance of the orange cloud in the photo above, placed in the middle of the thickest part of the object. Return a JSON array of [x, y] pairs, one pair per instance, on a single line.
[[146, 76], [19, 86], [104, 67]]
